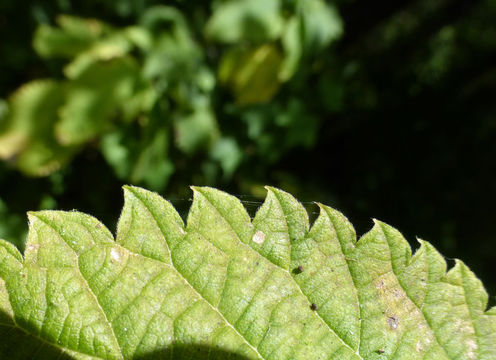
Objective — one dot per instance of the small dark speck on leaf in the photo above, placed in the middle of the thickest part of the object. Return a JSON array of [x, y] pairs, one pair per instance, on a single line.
[[380, 351], [392, 322], [298, 270], [313, 307]]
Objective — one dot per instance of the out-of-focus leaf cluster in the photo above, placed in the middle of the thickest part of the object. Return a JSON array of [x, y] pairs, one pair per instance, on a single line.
[[141, 92]]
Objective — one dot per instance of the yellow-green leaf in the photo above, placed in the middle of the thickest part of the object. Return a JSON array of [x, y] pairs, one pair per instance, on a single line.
[[224, 286]]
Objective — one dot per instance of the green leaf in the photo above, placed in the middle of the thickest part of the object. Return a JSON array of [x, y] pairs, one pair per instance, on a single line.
[[254, 20], [141, 160], [227, 152], [196, 130], [27, 137], [174, 54], [321, 24], [252, 74], [74, 36], [94, 98], [271, 288], [292, 44]]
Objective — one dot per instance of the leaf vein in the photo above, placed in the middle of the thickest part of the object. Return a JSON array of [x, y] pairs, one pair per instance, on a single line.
[[408, 296]]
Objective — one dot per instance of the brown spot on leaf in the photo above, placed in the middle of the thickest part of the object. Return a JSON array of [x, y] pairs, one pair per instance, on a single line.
[[314, 307], [380, 284]]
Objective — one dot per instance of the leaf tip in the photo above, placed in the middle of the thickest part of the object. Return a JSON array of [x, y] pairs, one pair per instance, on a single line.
[[130, 188], [273, 190], [378, 225], [133, 191], [197, 190], [383, 227], [205, 190], [32, 216]]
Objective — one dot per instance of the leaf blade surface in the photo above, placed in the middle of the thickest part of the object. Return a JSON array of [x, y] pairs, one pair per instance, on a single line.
[[269, 288]]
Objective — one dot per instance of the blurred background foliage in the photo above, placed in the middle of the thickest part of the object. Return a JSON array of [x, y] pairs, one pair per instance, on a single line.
[[378, 109]]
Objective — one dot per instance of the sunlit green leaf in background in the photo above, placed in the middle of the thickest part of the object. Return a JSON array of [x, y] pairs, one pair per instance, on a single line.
[[293, 48], [74, 36], [144, 158], [94, 98], [117, 76], [27, 137], [240, 20], [229, 155], [269, 288], [195, 130], [321, 24], [253, 74]]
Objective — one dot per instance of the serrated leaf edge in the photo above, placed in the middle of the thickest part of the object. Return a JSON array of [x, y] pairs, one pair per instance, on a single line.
[[378, 224]]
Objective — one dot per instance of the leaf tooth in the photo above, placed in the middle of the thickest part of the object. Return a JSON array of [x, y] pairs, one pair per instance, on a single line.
[[10, 260], [228, 208], [344, 229], [11, 250], [280, 221], [295, 213], [159, 228]]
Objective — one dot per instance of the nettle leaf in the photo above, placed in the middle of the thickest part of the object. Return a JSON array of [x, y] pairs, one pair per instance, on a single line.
[[252, 74], [27, 138], [253, 20], [225, 286], [74, 36], [94, 98]]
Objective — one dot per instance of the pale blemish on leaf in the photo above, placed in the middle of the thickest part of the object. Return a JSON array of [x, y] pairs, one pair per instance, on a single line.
[[259, 237], [418, 346], [114, 254], [33, 247], [472, 347]]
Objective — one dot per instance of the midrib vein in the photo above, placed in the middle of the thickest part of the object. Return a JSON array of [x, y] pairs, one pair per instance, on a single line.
[[186, 280], [396, 275], [95, 299]]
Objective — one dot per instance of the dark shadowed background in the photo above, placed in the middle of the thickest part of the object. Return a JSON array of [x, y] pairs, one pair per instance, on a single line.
[[379, 109]]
